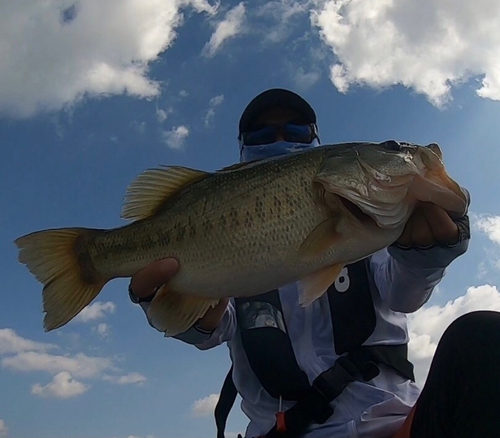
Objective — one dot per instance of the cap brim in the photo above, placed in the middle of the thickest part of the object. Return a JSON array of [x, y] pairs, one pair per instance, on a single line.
[[273, 98]]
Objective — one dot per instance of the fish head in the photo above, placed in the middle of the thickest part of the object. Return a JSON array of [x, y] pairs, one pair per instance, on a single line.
[[384, 182]]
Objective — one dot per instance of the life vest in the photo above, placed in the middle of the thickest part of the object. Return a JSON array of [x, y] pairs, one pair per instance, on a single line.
[[269, 351]]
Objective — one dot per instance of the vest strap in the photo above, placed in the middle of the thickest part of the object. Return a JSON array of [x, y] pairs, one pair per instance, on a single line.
[[314, 407]]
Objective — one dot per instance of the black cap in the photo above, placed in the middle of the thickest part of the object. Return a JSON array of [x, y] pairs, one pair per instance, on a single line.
[[275, 97]]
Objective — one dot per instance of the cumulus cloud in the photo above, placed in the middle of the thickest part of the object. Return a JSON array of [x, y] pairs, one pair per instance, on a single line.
[[95, 311], [29, 356], [426, 45], [175, 138], [54, 54], [229, 27], [140, 127], [490, 225], [214, 102], [427, 325], [3, 428], [128, 379], [103, 330], [79, 365], [205, 406], [282, 13], [305, 79], [11, 342], [138, 436], [62, 386], [161, 114]]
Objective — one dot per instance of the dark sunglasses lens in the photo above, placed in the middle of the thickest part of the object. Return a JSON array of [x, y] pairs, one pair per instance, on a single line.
[[262, 136], [290, 132], [298, 133]]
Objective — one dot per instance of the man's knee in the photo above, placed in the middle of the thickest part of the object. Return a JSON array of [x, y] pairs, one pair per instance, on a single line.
[[477, 327]]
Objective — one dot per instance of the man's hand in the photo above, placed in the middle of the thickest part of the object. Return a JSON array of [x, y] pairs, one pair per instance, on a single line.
[[147, 281], [429, 225]]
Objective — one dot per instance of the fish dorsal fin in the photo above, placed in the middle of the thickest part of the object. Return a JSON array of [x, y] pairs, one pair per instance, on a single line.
[[154, 186]]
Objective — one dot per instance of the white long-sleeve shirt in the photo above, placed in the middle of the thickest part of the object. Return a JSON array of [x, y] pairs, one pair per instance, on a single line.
[[400, 281]]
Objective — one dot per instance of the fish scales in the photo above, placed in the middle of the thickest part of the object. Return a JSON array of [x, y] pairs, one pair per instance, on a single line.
[[242, 219]]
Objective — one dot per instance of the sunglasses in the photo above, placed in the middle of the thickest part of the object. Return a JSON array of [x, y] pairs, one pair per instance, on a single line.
[[289, 131]]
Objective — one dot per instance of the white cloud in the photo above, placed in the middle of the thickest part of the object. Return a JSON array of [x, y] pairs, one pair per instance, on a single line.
[[161, 114], [205, 406], [52, 57], [303, 79], [95, 311], [174, 138], [229, 27], [80, 365], [128, 379], [427, 45], [283, 13], [138, 436], [3, 428], [490, 225], [11, 342], [214, 102], [103, 330], [62, 386], [427, 325], [139, 127]]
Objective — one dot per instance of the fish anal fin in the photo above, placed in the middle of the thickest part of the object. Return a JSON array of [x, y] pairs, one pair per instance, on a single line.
[[173, 313], [152, 188], [319, 240], [315, 285]]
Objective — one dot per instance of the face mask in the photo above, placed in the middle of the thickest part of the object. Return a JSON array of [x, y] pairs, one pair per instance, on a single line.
[[258, 152]]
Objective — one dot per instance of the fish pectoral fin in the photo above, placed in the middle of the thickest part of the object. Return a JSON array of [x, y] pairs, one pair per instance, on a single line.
[[315, 285], [320, 239], [173, 313], [147, 193]]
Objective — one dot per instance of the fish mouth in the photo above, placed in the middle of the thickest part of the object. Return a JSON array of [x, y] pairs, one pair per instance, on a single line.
[[355, 211]]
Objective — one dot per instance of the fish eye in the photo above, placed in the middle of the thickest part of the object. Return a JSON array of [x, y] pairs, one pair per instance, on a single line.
[[392, 145]]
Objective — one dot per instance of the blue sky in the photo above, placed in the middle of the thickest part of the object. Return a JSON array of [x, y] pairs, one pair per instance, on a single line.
[[94, 92]]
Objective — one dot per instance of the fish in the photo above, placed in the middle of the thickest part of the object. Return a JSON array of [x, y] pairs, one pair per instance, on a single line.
[[245, 229]]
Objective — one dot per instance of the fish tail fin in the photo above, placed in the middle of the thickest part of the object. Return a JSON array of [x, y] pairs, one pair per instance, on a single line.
[[59, 259]]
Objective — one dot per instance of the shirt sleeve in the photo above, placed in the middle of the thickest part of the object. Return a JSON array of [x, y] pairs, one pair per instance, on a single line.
[[204, 340], [406, 277]]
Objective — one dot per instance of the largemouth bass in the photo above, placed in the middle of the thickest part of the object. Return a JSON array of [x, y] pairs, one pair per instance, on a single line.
[[244, 230]]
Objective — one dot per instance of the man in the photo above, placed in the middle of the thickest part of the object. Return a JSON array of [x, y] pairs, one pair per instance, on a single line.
[[338, 367]]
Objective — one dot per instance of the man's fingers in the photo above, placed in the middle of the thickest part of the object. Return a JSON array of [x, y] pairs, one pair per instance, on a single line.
[[156, 274], [421, 233], [405, 238], [442, 226]]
